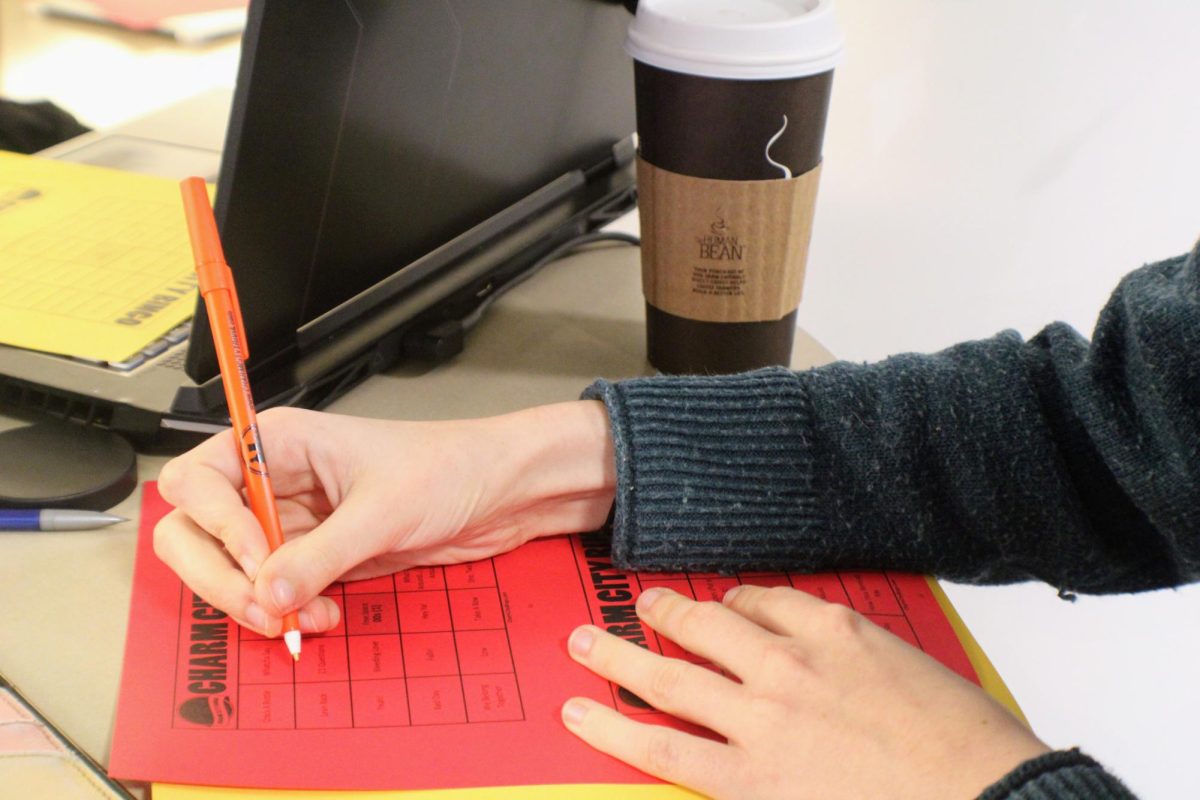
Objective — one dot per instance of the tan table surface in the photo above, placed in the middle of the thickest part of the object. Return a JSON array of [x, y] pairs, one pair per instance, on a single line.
[[64, 597]]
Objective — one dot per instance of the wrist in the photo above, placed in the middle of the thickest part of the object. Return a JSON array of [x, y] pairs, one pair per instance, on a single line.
[[562, 460]]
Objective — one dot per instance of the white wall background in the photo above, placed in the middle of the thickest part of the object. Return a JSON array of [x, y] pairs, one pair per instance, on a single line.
[[993, 165]]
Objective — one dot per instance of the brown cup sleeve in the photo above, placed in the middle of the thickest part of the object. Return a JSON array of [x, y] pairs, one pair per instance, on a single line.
[[724, 251]]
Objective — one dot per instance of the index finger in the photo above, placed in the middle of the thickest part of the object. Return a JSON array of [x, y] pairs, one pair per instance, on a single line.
[[707, 629], [205, 485]]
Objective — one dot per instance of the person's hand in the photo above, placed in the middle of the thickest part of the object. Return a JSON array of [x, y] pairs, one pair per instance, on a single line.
[[360, 498], [823, 704]]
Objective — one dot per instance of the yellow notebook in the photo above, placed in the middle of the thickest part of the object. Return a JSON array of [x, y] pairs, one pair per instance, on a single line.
[[94, 263]]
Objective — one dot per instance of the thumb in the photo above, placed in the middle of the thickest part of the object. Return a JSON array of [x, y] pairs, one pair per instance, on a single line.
[[305, 565]]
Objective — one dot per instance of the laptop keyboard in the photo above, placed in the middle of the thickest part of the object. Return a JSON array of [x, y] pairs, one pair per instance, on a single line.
[[168, 343]]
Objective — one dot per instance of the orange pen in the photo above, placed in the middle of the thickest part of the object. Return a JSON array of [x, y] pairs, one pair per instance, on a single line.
[[229, 336]]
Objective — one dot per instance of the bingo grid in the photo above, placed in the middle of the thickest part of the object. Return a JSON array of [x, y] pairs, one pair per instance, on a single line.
[[875, 595], [427, 646]]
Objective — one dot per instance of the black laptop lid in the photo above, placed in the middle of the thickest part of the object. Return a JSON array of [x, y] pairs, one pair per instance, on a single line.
[[366, 133]]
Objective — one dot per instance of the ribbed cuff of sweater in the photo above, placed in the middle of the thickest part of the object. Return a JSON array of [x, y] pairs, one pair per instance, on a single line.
[[712, 473], [1061, 775]]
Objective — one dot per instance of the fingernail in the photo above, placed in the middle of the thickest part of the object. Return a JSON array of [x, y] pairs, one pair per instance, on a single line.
[[648, 597], [573, 713], [328, 614], [732, 593], [334, 611], [249, 566], [581, 641], [256, 617], [284, 593]]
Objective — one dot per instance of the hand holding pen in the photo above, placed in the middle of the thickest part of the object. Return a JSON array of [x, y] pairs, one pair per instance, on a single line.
[[229, 338]]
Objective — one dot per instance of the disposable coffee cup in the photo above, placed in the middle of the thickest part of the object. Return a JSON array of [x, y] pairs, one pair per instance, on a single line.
[[732, 97]]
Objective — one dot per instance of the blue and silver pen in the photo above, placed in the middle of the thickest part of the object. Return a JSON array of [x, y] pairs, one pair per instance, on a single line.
[[54, 519]]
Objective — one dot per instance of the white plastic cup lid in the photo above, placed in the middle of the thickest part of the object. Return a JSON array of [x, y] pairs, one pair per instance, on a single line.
[[738, 39]]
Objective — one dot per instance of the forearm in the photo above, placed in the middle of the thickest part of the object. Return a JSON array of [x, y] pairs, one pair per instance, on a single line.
[[991, 461], [559, 459]]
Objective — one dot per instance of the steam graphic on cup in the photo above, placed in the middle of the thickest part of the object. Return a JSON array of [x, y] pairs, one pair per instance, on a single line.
[[787, 173]]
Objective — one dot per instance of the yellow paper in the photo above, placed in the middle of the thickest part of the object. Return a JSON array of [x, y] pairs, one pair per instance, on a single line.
[[94, 263], [646, 791]]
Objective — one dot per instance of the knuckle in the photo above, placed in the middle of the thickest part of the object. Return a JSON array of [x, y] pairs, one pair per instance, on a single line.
[[224, 532], [665, 683], [163, 538], [762, 599], [842, 622], [782, 660], [662, 753], [777, 595], [171, 479], [689, 617]]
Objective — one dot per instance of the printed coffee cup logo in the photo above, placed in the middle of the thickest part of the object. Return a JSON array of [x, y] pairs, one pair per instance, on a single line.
[[720, 244], [210, 712], [632, 699], [718, 227]]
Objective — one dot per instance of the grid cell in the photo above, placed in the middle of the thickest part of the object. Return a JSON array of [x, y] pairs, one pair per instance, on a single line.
[[492, 698], [870, 593], [423, 611], [826, 586], [266, 707], [371, 614], [324, 660], [482, 652], [713, 587], [680, 585], [380, 704], [436, 701], [264, 661], [765, 579], [473, 609], [323, 705], [471, 575], [373, 657], [428, 654], [419, 579]]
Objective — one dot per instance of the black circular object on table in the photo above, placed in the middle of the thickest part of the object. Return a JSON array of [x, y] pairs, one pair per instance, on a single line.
[[56, 464]]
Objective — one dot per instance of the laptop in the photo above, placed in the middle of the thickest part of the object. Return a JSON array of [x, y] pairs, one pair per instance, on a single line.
[[388, 169]]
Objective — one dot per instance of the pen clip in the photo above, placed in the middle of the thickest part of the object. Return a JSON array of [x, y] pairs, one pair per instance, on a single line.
[[216, 276], [237, 314]]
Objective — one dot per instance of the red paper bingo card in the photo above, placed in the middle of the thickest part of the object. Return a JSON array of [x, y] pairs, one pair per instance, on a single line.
[[424, 647], [435, 678], [901, 603]]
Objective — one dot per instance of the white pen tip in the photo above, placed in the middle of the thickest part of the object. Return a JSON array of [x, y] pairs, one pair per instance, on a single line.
[[292, 640]]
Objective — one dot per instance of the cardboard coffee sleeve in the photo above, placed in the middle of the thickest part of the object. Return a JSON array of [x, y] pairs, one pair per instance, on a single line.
[[732, 99], [727, 251]]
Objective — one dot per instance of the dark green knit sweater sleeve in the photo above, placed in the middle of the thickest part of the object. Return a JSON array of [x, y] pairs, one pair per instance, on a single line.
[[1061, 775], [992, 461]]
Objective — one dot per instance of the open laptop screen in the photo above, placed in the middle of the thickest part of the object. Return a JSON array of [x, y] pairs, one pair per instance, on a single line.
[[366, 133]]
